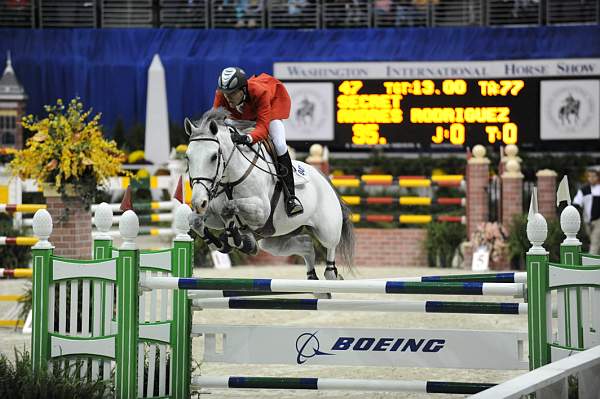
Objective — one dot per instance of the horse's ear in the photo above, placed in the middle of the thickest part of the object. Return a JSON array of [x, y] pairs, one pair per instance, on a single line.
[[214, 128], [188, 126]]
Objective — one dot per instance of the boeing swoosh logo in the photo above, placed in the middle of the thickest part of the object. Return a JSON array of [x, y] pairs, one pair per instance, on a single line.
[[307, 346]]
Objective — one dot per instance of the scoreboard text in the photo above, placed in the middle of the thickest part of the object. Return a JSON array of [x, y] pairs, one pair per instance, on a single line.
[[426, 113]]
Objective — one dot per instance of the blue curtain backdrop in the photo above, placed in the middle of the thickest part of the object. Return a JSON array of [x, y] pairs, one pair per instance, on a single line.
[[107, 68]]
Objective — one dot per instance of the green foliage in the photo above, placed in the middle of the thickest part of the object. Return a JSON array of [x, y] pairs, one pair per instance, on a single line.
[[12, 256], [442, 242], [26, 302], [569, 165], [18, 381], [518, 244], [177, 134]]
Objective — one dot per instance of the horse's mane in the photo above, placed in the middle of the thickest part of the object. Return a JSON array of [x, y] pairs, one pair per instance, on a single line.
[[222, 117]]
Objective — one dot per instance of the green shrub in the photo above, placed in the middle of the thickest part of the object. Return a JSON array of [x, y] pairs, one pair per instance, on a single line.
[[17, 381], [442, 242], [518, 244]]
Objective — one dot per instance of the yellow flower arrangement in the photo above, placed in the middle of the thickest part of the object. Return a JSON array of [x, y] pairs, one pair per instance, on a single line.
[[67, 146]]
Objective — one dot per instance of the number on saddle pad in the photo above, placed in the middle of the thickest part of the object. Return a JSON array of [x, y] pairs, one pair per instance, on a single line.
[[300, 174]]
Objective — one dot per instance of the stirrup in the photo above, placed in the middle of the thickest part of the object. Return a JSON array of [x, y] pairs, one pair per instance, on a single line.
[[293, 206]]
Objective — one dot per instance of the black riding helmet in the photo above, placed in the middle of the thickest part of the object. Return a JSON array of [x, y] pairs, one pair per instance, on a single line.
[[232, 79]]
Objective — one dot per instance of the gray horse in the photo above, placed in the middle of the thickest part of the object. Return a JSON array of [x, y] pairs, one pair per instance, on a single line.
[[236, 189]]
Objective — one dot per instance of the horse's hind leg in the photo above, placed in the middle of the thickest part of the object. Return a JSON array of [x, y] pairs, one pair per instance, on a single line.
[[293, 245], [331, 272]]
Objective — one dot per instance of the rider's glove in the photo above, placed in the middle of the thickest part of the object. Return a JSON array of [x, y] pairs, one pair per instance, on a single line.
[[240, 138]]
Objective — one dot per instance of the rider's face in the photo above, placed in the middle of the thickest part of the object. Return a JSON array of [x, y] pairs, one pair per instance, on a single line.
[[234, 98]]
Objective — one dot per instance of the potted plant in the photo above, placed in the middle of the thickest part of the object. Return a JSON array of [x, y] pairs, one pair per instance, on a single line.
[[492, 236], [68, 156]]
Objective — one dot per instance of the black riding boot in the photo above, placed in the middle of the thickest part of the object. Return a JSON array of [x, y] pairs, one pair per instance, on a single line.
[[292, 203]]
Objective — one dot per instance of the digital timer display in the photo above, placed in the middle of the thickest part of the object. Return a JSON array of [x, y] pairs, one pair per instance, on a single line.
[[429, 113]]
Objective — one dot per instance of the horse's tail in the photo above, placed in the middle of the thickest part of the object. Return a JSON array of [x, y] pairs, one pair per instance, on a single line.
[[346, 245]]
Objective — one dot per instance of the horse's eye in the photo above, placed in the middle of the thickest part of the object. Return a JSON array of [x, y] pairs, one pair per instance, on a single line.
[[213, 158]]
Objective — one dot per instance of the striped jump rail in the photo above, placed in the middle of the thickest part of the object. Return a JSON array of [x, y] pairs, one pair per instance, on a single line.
[[115, 183], [143, 206], [355, 200], [400, 181], [234, 294], [17, 323], [406, 219], [21, 241], [336, 286], [325, 384], [153, 218], [16, 273], [361, 305], [507, 277], [11, 298], [23, 208], [11, 319], [160, 232]]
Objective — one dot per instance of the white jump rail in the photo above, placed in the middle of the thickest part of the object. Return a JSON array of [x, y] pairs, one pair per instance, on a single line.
[[550, 381]]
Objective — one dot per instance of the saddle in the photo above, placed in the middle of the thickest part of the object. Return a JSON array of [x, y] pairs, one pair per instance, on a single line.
[[300, 176]]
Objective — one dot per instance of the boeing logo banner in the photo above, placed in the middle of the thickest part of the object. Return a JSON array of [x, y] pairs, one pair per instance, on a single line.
[[436, 70], [363, 346]]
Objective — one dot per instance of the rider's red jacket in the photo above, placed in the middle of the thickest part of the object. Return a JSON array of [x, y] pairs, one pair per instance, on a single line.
[[267, 100]]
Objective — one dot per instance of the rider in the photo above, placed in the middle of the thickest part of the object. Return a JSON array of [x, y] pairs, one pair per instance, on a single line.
[[265, 100]]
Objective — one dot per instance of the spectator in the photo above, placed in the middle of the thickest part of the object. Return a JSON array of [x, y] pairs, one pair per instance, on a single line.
[[383, 6], [253, 11], [237, 7], [295, 6], [588, 198]]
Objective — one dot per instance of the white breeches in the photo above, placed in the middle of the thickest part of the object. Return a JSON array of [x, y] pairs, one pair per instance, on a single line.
[[277, 133]]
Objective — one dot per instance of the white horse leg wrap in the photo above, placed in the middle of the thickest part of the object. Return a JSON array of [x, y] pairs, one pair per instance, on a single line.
[[277, 133]]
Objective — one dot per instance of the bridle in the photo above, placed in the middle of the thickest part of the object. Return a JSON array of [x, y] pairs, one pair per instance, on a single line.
[[227, 188], [214, 184]]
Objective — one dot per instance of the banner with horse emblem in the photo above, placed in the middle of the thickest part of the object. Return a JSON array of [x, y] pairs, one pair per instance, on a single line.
[[311, 116], [570, 109]]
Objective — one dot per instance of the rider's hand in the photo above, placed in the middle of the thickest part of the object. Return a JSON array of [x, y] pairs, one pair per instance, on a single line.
[[240, 138]]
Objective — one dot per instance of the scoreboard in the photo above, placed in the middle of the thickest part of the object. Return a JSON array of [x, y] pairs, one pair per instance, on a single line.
[[430, 114]]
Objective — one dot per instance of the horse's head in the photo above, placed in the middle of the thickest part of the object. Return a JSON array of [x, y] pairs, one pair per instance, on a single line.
[[209, 148]]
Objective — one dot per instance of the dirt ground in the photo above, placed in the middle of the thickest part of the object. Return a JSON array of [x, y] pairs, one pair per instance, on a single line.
[[10, 339]]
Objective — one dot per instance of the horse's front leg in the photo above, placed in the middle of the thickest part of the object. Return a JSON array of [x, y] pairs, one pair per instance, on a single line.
[[198, 223], [242, 213], [254, 211]]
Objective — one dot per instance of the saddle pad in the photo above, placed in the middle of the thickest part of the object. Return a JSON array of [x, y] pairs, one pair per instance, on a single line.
[[300, 174]]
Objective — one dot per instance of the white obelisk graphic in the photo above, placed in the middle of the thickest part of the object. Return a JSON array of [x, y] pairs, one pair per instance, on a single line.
[[157, 144]]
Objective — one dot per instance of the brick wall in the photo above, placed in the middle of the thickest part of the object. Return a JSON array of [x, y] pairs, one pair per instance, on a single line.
[[546, 184], [512, 199], [71, 236], [477, 194], [375, 247], [390, 247]]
